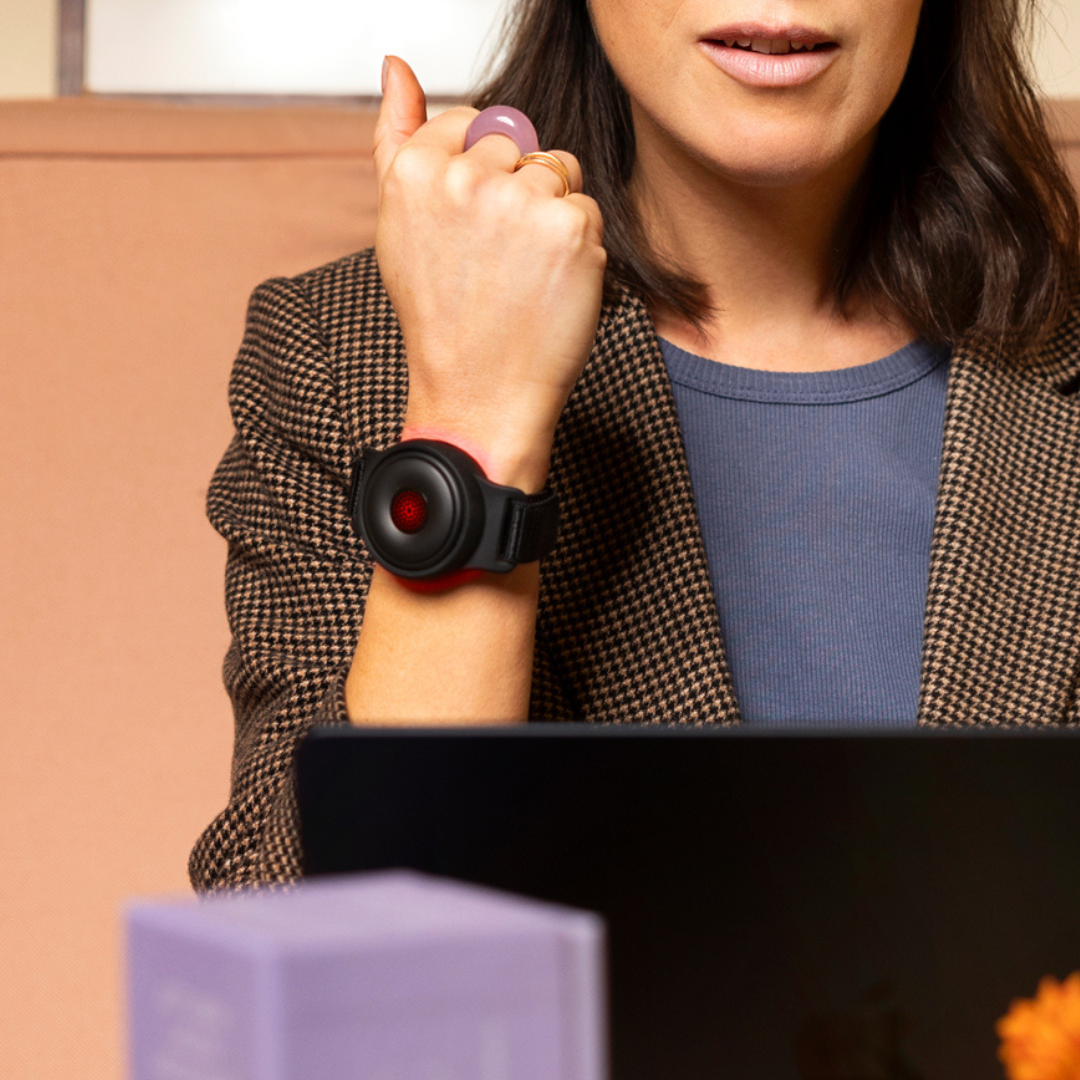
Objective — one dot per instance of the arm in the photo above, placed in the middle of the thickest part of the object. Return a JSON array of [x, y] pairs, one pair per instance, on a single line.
[[498, 311], [298, 583], [497, 283]]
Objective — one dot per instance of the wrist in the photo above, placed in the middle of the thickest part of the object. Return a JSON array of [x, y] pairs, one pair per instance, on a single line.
[[513, 461]]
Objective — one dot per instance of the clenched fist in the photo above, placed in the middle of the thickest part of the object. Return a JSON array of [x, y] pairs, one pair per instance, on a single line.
[[496, 278]]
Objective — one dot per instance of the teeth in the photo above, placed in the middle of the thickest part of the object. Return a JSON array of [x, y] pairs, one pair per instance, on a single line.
[[768, 45]]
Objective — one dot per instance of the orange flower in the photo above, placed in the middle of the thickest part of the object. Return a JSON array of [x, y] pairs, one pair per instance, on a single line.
[[1040, 1038]]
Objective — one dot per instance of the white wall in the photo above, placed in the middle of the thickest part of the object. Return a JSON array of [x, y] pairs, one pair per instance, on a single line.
[[283, 46], [28, 31]]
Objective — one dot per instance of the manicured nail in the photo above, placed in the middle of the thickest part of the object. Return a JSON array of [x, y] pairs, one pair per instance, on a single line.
[[385, 69]]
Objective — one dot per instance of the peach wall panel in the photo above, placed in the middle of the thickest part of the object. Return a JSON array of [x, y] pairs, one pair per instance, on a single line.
[[130, 238]]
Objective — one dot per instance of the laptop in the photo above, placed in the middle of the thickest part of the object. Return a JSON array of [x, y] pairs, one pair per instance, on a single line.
[[779, 906]]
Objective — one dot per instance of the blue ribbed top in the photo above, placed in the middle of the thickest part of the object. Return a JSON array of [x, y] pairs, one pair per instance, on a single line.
[[816, 495]]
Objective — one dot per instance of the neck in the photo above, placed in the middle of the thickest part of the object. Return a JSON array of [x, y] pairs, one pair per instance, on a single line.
[[766, 254]]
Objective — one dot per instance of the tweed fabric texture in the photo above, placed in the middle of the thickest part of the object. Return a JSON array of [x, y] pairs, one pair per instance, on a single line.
[[627, 630]]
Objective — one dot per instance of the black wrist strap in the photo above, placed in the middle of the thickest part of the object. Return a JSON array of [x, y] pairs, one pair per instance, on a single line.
[[532, 524]]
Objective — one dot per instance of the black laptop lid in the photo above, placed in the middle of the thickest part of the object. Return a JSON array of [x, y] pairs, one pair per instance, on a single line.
[[778, 906]]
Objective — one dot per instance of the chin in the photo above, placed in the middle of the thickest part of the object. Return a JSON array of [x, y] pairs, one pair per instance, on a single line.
[[782, 169]]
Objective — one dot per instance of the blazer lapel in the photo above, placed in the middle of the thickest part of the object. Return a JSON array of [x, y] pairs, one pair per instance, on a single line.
[[626, 605], [1001, 640]]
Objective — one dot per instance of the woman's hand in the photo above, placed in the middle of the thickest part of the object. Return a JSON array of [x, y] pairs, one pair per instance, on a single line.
[[496, 281]]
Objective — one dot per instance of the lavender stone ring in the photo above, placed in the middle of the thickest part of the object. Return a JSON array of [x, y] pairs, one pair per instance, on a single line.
[[503, 120]]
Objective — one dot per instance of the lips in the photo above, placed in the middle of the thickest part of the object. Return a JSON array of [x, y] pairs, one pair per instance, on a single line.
[[761, 56]]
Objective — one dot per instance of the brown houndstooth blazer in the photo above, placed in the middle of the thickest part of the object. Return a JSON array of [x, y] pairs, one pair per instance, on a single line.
[[627, 628]]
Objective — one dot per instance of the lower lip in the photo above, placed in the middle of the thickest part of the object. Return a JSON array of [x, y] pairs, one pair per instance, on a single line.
[[768, 69]]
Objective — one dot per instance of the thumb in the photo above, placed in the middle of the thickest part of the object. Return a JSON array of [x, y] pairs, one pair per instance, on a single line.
[[402, 113]]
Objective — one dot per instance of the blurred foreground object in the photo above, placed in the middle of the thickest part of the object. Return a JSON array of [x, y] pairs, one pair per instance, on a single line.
[[1040, 1037], [391, 976]]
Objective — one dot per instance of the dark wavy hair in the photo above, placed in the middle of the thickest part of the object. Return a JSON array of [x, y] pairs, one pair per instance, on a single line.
[[966, 221]]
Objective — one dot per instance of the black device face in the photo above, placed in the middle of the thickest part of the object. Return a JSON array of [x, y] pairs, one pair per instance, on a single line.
[[422, 510], [774, 902]]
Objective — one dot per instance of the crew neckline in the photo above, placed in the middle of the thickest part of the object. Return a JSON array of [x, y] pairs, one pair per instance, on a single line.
[[907, 365]]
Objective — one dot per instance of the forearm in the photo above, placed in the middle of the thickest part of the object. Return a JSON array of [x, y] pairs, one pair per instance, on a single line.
[[463, 656]]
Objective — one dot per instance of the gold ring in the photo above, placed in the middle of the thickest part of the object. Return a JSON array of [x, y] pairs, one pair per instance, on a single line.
[[541, 157]]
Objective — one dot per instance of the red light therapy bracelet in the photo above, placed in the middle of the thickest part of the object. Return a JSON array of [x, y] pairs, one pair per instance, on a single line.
[[426, 511]]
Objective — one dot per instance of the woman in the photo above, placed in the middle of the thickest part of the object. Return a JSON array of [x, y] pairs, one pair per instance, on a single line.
[[801, 364]]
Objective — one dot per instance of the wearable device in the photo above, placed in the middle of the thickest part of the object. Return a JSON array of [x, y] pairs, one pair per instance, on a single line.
[[425, 509]]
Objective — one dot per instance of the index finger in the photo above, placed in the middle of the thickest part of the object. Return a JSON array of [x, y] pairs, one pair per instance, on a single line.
[[446, 131]]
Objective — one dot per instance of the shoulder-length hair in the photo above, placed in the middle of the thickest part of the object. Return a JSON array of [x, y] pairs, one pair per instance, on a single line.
[[967, 224]]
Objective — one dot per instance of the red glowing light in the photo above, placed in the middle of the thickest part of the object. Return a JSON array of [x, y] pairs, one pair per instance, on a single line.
[[408, 511]]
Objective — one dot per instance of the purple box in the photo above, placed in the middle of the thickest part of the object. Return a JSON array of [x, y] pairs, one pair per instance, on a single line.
[[390, 976]]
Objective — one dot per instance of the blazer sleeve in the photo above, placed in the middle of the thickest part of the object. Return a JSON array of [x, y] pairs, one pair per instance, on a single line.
[[296, 579]]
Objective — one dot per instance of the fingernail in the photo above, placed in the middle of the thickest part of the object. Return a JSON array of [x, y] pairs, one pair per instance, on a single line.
[[385, 69]]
